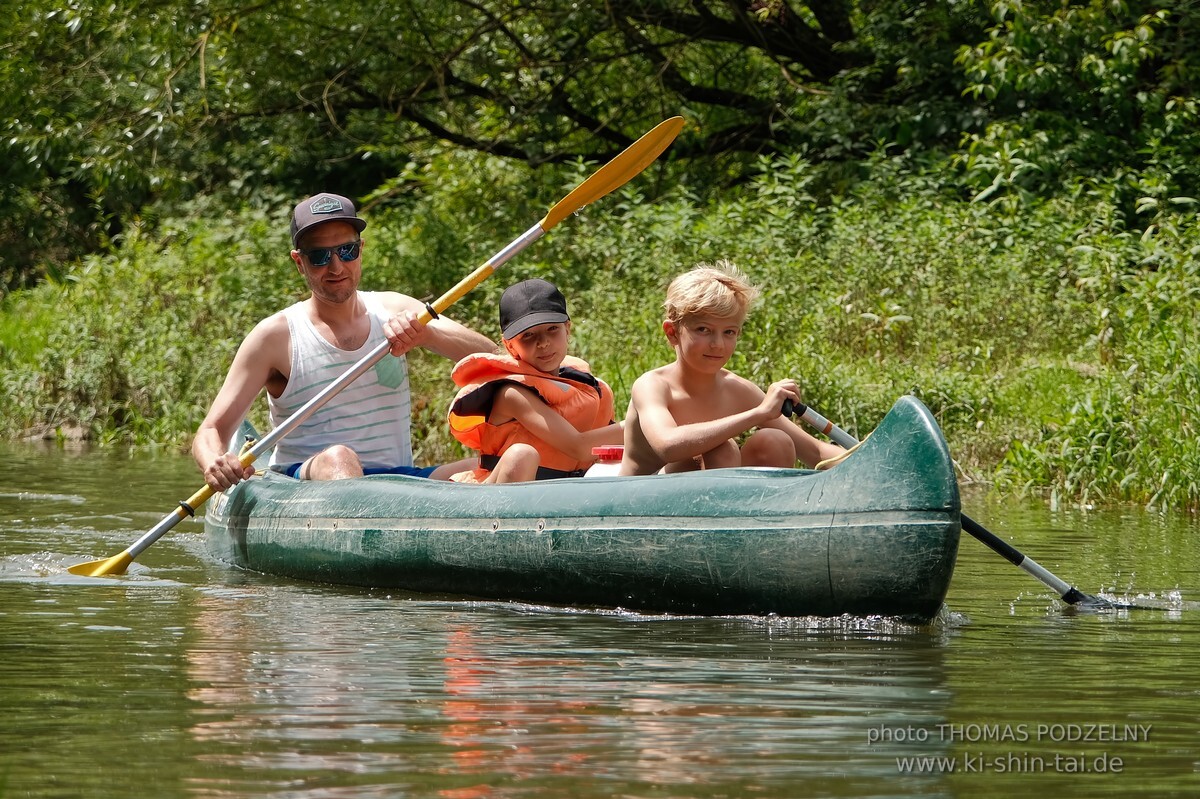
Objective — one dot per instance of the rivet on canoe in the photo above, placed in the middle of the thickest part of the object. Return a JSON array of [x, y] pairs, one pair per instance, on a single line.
[[541, 525], [495, 525]]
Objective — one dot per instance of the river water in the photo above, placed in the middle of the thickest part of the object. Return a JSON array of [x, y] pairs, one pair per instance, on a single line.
[[185, 678]]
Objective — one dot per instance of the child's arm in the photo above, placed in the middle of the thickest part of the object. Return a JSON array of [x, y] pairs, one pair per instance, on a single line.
[[809, 450], [674, 442], [524, 405]]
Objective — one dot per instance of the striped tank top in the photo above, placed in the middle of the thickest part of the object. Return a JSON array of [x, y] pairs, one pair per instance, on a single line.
[[372, 415]]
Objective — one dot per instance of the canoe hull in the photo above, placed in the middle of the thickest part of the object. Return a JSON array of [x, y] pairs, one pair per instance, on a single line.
[[878, 534]]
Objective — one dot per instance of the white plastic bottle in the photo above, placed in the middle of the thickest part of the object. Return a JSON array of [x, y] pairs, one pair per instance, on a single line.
[[608, 461]]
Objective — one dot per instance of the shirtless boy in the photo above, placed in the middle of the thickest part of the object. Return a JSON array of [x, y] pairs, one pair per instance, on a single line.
[[688, 414]]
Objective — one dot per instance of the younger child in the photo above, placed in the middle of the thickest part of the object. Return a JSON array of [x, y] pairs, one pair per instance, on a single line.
[[536, 412], [686, 415]]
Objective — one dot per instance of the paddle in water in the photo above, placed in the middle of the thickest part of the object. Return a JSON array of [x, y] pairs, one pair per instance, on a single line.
[[616, 173], [1067, 592]]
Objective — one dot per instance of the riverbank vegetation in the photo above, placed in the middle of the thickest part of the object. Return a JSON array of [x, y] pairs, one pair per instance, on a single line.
[[990, 206]]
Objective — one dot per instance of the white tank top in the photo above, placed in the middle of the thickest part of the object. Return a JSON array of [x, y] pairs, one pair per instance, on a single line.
[[372, 415]]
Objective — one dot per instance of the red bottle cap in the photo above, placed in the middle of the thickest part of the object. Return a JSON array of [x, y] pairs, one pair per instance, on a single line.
[[610, 452]]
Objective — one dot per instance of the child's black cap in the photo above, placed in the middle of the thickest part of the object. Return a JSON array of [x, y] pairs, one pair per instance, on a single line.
[[529, 303]]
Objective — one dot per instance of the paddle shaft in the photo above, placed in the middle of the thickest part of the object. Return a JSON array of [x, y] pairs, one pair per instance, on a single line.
[[630, 162], [1065, 590]]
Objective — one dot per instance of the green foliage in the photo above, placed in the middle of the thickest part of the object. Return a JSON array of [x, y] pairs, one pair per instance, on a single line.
[[84, 137], [1131, 434], [140, 338], [115, 114], [1082, 89]]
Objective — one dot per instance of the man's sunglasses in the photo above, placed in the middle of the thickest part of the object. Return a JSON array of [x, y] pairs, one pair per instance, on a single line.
[[321, 256]]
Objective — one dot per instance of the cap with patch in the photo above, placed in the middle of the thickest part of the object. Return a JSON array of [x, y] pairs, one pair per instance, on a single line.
[[322, 208], [529, 303]]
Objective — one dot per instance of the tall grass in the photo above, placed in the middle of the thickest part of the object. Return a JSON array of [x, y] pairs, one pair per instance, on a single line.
[[1055, 343]]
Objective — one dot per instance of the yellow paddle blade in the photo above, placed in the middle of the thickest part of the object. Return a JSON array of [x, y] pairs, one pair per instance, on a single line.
[[617, 172], [117, 564]]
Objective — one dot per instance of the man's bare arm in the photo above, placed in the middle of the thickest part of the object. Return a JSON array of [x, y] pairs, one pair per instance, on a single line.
[[261, 353], [443, 335]]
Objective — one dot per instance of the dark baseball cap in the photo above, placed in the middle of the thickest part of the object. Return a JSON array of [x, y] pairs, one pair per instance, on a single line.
[[321, 208], [529, 303]]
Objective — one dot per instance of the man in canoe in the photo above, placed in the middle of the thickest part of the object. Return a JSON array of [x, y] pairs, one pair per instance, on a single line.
[[688, 414], [535, 412], [296, 352]]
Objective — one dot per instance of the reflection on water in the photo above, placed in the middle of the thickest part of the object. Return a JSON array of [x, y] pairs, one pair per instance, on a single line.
[[186, 679], [484, 696]]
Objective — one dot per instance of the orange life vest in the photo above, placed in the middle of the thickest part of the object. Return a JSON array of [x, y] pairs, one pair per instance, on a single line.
[[574, 393]]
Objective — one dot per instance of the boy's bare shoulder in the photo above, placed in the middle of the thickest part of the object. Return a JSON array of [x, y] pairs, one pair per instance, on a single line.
[[736, 381], [742, 393], [662, 376]]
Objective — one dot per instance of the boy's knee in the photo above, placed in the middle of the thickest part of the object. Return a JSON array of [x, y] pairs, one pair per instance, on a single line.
[[518, 464], [769, 447], [722, 456], [523, 454]]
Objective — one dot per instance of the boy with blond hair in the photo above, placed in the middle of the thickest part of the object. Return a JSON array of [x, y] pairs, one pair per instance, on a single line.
[[688, 414]]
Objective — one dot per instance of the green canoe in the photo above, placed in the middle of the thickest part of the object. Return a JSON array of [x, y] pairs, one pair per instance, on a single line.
[[875, 535]]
